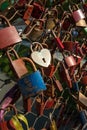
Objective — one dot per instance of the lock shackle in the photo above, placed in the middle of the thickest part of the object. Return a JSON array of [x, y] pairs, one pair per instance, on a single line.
[[7, 21], [13, 52], [6, 108], [29, 61], [74, 8], [37, 45], [67, 36]]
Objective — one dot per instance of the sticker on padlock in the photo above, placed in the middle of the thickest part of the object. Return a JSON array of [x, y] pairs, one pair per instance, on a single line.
[[31, 84], [41, 57], [8, 35]]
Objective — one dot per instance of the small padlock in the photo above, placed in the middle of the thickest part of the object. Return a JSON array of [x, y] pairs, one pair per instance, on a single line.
[[58, 41], [28, 11], [78, 16], [49, 71], [17, 64], [40, 104], [50, 91], [8, 35], [37, 10], [53, 125], [31, 84], [69, 45], [51, 18], [84, 79], [64, 75]]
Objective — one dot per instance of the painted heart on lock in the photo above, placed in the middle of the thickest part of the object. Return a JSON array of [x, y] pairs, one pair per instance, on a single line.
[[42, 58]]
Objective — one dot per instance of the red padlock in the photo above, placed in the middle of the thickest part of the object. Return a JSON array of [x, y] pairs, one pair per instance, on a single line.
[[58, 41], [8, 35], [37, 10]]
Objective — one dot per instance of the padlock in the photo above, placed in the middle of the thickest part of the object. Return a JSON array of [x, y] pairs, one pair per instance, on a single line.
[[40, 104], [57, 84], [20, 3], [66, 21], [4, 4], [50, 91], [84, 78], [33, 32], [49, 71], [12, 14], [37, 10], [42, 56], [28, 11], [69, 45], [51, 18], [78, 16], [31, 84], [64, 75], [9, 35], [53, 125], [58, 41], [17, 64], [69, 60]]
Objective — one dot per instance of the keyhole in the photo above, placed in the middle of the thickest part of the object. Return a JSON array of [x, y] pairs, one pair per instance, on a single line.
[[44, 60]]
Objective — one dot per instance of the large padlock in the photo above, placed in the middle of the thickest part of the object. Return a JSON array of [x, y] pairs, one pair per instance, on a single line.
[[17, 64], [31, 84], [40, 56], [78, 16], [8, 35]]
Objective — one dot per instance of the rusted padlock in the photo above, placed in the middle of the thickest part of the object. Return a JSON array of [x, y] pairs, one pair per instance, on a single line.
[[34, 31], [78, 15], [18, 66]]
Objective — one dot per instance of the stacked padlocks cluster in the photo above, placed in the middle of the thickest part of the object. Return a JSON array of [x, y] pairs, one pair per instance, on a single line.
[[52, 77]]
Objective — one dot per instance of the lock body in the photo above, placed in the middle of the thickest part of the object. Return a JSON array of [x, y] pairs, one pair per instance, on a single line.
[[31, 84], [8, 37], [78, 15]]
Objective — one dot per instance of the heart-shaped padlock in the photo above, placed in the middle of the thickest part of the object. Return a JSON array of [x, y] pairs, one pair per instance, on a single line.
[[42, 56]]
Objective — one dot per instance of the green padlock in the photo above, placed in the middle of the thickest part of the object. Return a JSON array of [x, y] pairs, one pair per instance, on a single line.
[[4, 5]]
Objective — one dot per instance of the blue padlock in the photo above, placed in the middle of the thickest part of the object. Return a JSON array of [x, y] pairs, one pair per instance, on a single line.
[[83, 117], [31, 84]]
